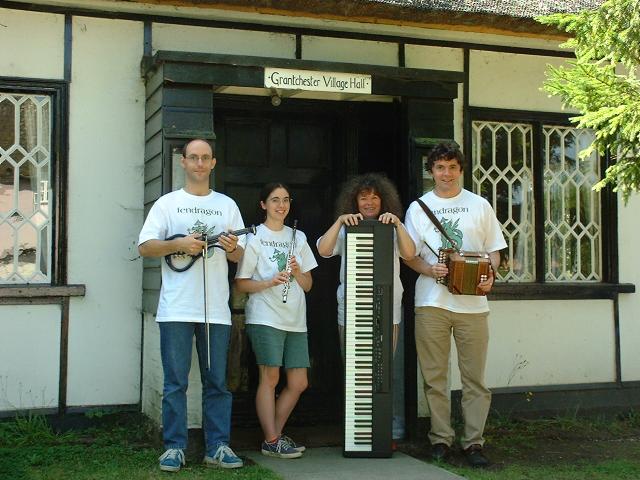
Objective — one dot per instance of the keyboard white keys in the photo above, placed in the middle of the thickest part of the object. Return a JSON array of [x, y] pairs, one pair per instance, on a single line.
[[368, 285], [359, 343]]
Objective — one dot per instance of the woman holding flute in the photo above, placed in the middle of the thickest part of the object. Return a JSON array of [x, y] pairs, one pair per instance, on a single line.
[[276, 272]]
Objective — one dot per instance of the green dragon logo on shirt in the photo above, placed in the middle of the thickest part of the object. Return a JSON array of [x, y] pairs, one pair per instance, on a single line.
[[453, 231], [202, 229], [280, 258]]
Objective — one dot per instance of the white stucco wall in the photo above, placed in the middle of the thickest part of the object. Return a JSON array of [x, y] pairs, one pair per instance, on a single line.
[[29, 357], [105, 211], [629, 304], [349, 51], [437, 58], [510, 81], [31, 44], [218, 40], [544, 343], [535, 342], [152, 379]]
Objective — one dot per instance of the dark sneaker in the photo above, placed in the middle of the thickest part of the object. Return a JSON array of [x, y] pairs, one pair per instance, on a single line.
[[279, 449], [475, 457], [440, 451], [171, 460], [223, 458], [296, 446]]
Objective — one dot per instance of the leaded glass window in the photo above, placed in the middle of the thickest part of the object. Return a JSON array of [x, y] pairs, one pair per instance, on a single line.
[[25, 188], [571, 207], [505, 161], [502, 173]]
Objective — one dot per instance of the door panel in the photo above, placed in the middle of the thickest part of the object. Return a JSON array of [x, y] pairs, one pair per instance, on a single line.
[[254, 153], [308, 146], [300, 145]]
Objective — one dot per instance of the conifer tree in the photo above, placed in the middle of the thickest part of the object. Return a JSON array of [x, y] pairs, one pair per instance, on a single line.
[[601, 83]]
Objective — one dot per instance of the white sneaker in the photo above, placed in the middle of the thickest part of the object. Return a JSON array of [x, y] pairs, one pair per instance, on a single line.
[[172, 460], [224, 458]]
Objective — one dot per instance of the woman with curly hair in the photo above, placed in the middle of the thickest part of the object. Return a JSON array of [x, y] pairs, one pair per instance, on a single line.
[[370, 196]]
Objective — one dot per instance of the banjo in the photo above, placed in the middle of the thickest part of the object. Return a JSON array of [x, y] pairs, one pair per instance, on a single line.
[[181, 262]]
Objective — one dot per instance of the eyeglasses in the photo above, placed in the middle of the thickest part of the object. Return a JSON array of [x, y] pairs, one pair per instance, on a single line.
[[278, 200], [194, 158]]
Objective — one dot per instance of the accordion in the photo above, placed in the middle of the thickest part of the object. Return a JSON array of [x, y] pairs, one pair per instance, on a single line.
[[466, 270]]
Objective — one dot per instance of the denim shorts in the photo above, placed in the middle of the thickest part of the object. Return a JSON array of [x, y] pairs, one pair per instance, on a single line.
[[274, 347]]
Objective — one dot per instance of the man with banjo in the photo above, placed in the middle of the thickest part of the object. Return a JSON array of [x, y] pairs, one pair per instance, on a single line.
[[194, 301], [451, 218]]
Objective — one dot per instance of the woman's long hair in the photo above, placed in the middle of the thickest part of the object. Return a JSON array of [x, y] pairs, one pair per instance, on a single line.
[[347, 201]]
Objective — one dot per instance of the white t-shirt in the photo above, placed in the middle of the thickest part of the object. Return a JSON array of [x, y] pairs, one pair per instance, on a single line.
[[182, 293], [470, 221], [266, 255], [397, 284]]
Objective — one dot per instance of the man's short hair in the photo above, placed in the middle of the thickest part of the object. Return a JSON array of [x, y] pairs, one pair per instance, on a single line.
[[189, 142], [445, 151]]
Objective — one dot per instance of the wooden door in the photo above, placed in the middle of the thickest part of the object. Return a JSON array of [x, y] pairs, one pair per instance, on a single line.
[[299, 144]]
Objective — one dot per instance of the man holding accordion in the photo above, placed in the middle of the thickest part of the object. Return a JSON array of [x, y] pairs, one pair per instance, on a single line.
[[450, 218]]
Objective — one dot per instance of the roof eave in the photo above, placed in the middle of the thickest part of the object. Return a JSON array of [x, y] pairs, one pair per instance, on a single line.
[[381, 13]]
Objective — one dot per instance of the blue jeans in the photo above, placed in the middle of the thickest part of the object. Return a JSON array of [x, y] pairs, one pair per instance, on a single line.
[[175, 347]]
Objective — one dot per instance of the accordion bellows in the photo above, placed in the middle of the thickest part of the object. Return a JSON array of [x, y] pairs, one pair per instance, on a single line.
[[466, 270]]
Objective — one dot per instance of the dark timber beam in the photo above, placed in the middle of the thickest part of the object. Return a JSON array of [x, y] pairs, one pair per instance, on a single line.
[[247, 71]]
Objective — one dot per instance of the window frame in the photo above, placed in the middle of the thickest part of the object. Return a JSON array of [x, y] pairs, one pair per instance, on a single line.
[[609, 287], [58, 90]]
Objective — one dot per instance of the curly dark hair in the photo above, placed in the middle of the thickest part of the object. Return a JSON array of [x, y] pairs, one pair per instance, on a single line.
[[347, 201], [445, 151]]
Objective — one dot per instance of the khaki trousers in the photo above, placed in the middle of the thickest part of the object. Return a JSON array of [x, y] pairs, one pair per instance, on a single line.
[[434, 327]]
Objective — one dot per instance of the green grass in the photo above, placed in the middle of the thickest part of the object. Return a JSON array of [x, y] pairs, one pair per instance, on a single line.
[[608, 470], [126, 447], [31, 450], [562, 448]]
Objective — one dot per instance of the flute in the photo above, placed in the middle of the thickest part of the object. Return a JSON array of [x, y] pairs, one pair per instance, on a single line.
[[292, 246]]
